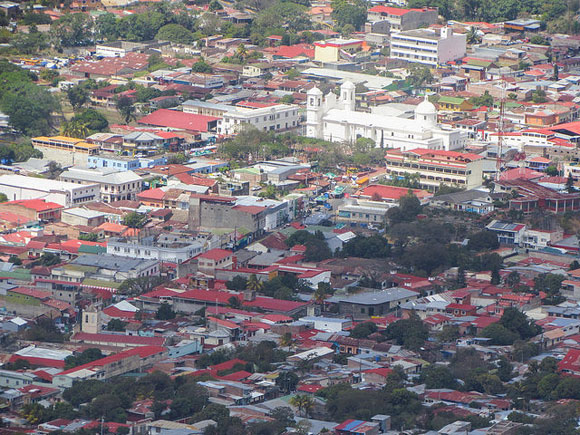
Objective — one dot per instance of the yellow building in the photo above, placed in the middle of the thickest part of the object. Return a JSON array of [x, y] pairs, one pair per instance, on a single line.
[[331, 50], [65, 150]]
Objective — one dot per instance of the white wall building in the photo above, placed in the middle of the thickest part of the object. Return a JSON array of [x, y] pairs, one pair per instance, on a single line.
[[328, 324], [115, 185], [271, 118], [335, 119], [17, 187], [428, 46]]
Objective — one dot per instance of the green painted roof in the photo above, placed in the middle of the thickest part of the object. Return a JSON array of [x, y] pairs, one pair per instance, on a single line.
[[19, 274], [100, 283], [247, 170], [451, 100], [89, 249]]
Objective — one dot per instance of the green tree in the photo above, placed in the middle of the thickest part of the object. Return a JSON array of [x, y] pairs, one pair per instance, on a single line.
[[126, 108], [483, 240], [28, 106], [89, 237], [363, 330], [373, 246], [552, 171], [516, 321], [513, 279], [140, 285], [77, 96], [175, 33], [484, 100], [419, 75], [165, 312], [347, 12], [438, 376], [499, 335], [72, 30], [134, 220], [116, 325], [237, 283], [411, 332], [303, 402]]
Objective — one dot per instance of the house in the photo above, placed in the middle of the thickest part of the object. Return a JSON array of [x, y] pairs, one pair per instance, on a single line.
[[331, 50], [178, 120], [454, 104], [357, 427], [364, 305], [400, 19], [34, 209], [19, 187], [214, 259], [132, 360], [327, 324], [570, 365]]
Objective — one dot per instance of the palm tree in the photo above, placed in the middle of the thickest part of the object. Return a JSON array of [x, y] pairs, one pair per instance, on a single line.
[[75, 128], [472, 36], [303, 403], [241, 51], [253, 283], [320, 295]]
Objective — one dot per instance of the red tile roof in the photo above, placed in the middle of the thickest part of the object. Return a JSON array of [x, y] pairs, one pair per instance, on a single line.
[[118, 339], [36, 204], [389, 192], [33, 293], [143, 352], [215, 254], [179, 120]]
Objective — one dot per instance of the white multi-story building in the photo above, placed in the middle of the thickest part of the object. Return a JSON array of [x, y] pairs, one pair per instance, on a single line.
[[428, 46], [275, 117], [114, 185], [335, 119], [272, 118], [17, 187]]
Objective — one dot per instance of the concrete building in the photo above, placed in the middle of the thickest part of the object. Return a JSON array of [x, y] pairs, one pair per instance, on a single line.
[[332, 50], [265, 117], [105, 268], [428, 46], [400, 19], [436, 167], [276, 117], [207, 211], [18, 187], [165, 247], [83, 216], [121, 163], [365, 305], [335, 119], [328, 324], [363, 213], [34, 209], [114, 185]]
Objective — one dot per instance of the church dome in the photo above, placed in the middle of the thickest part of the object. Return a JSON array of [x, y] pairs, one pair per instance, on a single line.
[[425, 108], [314, 91]]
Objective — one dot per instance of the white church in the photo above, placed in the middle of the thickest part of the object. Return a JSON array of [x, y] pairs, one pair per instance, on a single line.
[[335, 119]]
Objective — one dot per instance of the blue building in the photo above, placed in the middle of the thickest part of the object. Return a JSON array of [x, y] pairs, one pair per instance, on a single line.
[[122, 163]]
